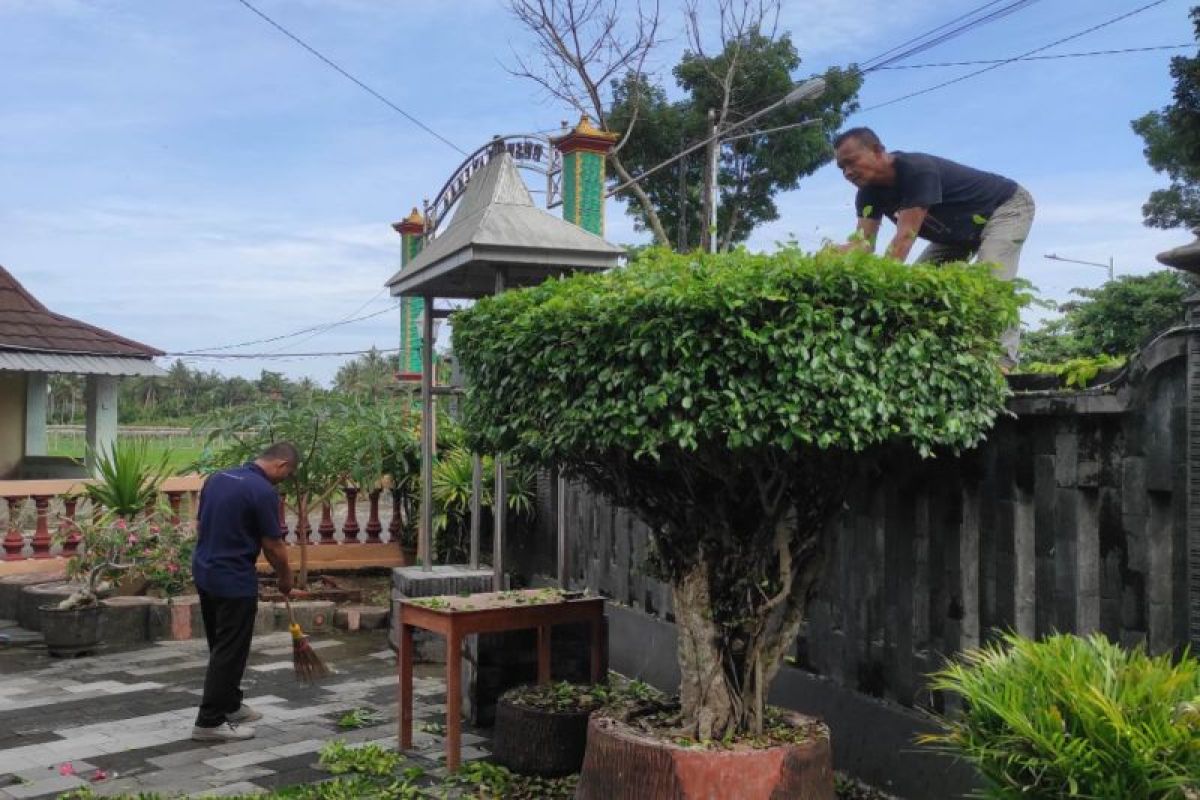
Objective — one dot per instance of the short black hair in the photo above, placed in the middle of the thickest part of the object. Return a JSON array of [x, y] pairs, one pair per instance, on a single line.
[[865, 136], [281, 451]]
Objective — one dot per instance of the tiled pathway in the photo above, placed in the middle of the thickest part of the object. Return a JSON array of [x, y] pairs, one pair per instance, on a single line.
[[128, 716]]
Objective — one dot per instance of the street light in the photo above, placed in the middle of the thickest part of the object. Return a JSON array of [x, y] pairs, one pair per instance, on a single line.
[[806, 90], [1108, 266]]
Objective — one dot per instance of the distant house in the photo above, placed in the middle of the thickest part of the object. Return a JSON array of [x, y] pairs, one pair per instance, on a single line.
[[36, 343]]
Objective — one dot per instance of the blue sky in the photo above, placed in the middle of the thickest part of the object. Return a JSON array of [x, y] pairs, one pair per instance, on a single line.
[[181, 173]]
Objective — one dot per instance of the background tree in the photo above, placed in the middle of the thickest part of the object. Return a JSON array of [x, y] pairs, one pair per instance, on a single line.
[[1172, 137], [580, 48], [753, 69], [724, 399], [1114, 319]]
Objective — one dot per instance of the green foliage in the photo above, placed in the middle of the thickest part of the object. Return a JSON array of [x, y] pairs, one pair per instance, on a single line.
[[127, 477], [369, 759], [359, 718], [452, 481], [1076, 372], [751, 170], [1172, 137], [1074, 717], [689, 354], [1114, 319]]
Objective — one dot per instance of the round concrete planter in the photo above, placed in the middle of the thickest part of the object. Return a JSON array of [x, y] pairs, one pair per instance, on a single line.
[[43, 594], [622, 764], [71, 633], [539, 742], [11, 587]]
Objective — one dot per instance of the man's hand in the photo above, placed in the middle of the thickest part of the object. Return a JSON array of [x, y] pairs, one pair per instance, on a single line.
[[285, 583]]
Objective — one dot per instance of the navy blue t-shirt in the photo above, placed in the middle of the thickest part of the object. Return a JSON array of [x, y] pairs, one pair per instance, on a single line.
[[960, 199], [238, 507]]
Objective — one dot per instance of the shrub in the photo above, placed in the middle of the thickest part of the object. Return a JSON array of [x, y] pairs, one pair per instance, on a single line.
[[1075, 717], [128, 477], [722, 398]]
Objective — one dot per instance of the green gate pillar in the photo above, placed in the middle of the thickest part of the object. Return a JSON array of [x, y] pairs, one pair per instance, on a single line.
[[412, 309], [584, 152]]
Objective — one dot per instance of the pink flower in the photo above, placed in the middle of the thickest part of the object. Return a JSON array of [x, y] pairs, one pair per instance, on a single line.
[[66, 768], [121, 524], [147, 552], [133, 538], [172, 568], [99, 775], [154, 529]]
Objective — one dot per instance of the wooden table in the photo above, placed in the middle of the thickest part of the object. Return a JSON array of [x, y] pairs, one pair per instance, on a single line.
[[457, 616]]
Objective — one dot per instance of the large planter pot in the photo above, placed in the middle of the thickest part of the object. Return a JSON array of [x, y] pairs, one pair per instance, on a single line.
[[71, 633], [534, 741], [624, 764]]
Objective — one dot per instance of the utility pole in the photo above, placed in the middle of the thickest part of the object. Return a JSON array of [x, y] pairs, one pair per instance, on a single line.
[[709, 240]]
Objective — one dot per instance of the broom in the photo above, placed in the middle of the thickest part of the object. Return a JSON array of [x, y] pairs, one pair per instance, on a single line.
[[308, 665]]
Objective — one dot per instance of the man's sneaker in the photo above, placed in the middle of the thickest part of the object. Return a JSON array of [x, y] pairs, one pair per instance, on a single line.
[[244, 714], [225, 732]]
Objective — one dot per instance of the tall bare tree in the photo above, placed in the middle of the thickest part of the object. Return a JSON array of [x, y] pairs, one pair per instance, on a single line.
[[581, 48]]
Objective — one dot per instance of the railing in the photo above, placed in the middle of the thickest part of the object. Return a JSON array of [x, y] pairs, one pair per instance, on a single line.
[[33, 513]]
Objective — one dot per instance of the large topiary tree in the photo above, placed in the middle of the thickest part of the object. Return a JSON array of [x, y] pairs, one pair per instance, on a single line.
[[723, 399]]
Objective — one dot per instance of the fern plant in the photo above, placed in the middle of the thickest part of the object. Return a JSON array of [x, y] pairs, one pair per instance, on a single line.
[[1075, 717]]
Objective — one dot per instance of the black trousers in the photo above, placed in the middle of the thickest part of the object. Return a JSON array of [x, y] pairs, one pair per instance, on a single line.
[[229, 626]]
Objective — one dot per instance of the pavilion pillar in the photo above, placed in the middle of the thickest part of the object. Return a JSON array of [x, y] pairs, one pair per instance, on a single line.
[[412, 309], [36, 385], [585, 153], [101, 433]]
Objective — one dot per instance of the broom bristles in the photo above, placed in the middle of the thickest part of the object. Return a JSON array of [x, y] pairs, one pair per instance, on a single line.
[[308, 665]]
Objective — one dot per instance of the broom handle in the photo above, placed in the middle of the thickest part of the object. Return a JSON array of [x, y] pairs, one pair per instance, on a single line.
[[291, 616]]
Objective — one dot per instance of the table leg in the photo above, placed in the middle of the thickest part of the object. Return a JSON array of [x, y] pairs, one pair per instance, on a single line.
[[543, 654], [453, 698], [404, 668], [597, 628]]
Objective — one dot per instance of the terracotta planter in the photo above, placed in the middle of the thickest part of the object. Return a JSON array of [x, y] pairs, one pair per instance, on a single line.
[[71, 633], [622, 764], [539, 742]]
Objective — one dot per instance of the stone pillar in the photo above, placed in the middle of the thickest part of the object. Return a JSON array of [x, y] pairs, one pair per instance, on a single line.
[[36, 384], [412, 238], [101, 393], [585, 152], [1193, 469]]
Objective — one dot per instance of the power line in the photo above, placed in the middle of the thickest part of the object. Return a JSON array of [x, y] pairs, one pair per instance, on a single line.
[[929, 43], [1041, 58], [281, 356], [329, 62], [351, 317], [319, 328], [1024, 55]]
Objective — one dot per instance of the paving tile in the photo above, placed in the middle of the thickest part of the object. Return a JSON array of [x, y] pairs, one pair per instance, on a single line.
[[298, 748], [241, 787], [49, 786], [240, 760]]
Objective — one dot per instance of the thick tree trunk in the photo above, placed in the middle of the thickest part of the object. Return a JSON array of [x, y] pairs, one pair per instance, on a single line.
[[727, 665]]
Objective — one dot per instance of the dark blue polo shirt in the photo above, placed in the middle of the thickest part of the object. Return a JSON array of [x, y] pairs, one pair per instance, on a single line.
[[238, 507]]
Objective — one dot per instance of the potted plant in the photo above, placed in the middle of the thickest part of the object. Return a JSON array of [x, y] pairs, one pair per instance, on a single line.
[[726, 399], [73, 626]]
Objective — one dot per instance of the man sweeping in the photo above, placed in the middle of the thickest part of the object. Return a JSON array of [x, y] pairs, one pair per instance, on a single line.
[[238, 519], [960, 211]]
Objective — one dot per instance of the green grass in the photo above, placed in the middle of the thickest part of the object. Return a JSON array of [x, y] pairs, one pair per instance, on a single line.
[[183, 450]]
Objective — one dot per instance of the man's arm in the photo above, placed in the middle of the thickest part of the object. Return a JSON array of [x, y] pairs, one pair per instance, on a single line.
[[276, 553], [908, 224], [863, 238]]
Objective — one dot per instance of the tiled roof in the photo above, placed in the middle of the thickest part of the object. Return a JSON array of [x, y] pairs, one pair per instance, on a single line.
[[26, 324]]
